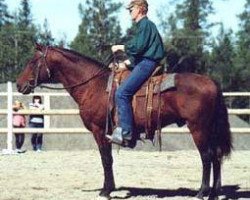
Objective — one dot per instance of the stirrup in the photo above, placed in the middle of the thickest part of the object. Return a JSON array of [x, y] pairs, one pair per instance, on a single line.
[[119, 136]]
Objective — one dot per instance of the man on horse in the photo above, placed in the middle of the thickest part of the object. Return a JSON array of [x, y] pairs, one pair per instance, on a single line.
[[145, 51]]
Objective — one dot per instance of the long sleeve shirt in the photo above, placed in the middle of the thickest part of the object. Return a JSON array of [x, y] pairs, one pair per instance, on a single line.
[[36, 118], [147, 43]]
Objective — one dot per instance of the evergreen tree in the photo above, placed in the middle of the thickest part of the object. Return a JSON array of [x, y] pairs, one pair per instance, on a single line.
[[27, 33], [188, 28], [6, 50], [45, 36], [222, 60], [242, 61], [24, 17], [17, 42], [99, 28], [5, 17]]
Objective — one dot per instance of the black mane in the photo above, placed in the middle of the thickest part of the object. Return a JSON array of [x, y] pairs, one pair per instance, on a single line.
[[75, 56]]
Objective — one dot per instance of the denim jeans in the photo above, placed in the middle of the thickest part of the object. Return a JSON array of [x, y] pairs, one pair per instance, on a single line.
[[36, 138], [19, 138], [124, 94]]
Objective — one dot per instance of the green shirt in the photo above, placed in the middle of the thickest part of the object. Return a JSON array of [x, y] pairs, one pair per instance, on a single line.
[[147, 43]]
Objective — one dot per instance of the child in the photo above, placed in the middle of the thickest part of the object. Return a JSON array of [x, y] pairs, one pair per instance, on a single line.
[[36, 121], [19, 121]]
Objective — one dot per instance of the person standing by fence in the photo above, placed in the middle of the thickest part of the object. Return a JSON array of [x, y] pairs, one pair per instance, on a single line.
[[19, 121], [36, 121]]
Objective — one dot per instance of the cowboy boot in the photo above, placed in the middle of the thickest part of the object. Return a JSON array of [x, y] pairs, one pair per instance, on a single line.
[[119, 136], [116, 136]]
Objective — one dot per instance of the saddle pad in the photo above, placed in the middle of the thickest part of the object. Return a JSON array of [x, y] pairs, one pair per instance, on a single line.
[[167, 83]]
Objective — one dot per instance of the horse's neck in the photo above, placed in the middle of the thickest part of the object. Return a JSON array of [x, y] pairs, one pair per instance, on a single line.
[[72, 74]]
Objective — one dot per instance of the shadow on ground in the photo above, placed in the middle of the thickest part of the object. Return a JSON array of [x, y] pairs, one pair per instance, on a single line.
[[227, 192]]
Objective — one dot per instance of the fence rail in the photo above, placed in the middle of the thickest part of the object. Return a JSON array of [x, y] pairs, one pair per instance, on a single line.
[[44, 112], [76, 112], [84, 130], [48, 112], [225, 94]]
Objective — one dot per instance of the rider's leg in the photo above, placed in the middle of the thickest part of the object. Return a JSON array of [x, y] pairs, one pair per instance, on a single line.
[[124, 94]]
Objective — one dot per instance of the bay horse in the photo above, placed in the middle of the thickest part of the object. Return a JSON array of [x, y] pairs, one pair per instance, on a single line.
[[196, 99]]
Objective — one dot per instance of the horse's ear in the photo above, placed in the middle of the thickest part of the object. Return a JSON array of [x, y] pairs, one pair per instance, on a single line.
[[38, 47]]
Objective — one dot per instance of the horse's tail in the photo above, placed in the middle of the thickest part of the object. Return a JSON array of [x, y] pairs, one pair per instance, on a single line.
[[221, 139]]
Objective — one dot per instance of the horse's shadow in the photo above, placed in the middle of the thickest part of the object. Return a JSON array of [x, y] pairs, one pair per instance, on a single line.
[[158, 193], [227, 192]]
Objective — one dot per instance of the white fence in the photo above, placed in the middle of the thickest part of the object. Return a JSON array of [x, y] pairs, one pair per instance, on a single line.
[[48, 112]]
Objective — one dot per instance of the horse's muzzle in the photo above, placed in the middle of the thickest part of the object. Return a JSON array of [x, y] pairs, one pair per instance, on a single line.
[[24, 88]]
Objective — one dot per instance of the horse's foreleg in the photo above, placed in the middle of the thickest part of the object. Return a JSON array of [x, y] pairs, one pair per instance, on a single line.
[[107, 162], [105, 149], [206, 170]]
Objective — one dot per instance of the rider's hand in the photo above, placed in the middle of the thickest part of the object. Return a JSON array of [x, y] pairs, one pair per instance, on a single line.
[[127, 62], [116, 48], [123, 65]]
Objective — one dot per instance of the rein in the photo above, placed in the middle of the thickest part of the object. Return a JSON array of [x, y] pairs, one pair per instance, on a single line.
[[77, 84]]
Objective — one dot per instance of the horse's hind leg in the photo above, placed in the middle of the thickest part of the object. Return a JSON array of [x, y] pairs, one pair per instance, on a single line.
[[206, 158], [206, 171], [209, 156], [217, 178]]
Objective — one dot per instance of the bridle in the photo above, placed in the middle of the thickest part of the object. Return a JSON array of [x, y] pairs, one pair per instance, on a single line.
[[37, 69]]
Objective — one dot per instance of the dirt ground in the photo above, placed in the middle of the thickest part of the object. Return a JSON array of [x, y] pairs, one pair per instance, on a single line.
[[78, 175]]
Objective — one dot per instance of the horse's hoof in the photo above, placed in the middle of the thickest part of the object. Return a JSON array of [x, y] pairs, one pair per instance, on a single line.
[[197, 198], [213, 198], [105, 194], [103, 198]]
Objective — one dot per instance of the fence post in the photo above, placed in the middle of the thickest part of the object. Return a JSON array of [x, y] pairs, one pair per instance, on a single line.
[[9, 149], [10, 117], [46, 107]]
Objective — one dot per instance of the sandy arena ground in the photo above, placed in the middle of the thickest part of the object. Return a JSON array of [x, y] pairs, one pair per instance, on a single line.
[[78, 175]]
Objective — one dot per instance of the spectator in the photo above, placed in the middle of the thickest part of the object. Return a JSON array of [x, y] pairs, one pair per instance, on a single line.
[[36, 121], [19, 121]]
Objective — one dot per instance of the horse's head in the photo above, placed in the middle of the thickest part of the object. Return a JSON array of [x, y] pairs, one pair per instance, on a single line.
[[37, 71]]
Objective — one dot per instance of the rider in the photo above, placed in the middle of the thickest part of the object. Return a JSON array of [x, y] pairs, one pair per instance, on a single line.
[[145, 50]]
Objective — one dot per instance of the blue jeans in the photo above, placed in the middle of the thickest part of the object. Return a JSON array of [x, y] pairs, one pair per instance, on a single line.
[[124, 94], [37, 138]]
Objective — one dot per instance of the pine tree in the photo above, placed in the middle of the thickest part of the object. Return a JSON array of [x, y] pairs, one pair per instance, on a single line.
[[222, 60], [5, 17], [6, 51], [188, 30], [242, 61], [99, 28], [45, 36], [18, 42], [27, 32]]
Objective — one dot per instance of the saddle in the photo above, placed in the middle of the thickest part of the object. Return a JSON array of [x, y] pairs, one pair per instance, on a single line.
[[151, 90]]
